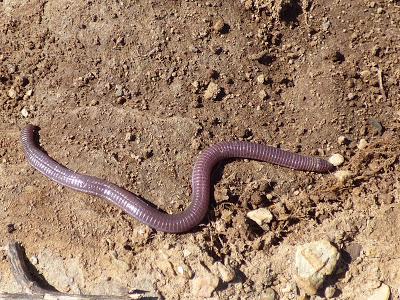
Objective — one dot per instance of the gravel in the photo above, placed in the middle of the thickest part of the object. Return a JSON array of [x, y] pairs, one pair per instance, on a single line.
[[313, 262]]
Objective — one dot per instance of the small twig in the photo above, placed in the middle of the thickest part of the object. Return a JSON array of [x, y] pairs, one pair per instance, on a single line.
[[32, 289], [20, 270], [381, 84]]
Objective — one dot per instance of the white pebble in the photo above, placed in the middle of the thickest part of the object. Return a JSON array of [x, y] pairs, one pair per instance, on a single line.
[[34, 260], [362, 144], [336, 159], [351, 96], [381, 293], [184, 271], [24, 112], [261, 216]]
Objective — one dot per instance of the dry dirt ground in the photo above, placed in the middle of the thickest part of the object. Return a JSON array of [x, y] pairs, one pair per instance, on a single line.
[[119, 89]]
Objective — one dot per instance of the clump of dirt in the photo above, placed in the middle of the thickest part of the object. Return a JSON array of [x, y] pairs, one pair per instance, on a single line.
[[284, 10]]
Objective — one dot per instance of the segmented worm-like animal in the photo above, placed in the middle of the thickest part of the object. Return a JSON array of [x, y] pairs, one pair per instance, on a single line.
[[139, 209]]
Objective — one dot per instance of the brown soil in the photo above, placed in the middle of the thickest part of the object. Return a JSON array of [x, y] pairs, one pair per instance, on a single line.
[[94, 74]]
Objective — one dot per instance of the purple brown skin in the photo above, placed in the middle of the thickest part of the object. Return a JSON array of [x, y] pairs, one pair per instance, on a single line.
[[139, 209]]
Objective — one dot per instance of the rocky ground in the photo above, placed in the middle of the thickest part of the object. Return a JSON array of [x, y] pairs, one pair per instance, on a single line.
[[132, 91]]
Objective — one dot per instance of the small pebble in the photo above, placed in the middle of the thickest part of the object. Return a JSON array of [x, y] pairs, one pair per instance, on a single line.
[[351, 96], [336, 159], [226, 216], [329, 292], [34, 260], [261, 79], [381, 293], [119, 90], [219, 25], [313, 262], [195, 85], [185, 271], [24, 112], [354, 250], [12, 68], [212, 91], [342, 175], [261, 216], [365, 74], [342, 140], [180, 270], [325, 25], [129, 136], [362, 144], [289, 288], [12, 93], [28, 94]]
